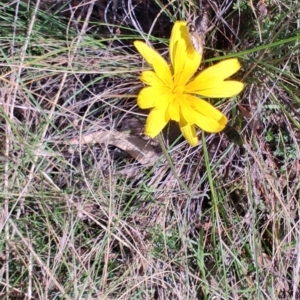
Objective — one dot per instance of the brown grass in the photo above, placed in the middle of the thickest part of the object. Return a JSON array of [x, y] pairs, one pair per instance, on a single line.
[[89, 221]]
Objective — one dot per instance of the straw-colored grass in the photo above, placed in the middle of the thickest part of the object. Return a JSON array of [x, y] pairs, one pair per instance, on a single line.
[[89, 219]]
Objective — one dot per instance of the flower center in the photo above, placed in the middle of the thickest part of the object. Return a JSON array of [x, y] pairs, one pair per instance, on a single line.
[[179, 89]]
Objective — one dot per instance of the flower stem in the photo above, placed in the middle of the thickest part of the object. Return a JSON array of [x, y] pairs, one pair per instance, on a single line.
[[167, 156]]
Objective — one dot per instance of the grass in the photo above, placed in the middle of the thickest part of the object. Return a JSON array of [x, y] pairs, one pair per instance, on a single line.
[[89, 221]]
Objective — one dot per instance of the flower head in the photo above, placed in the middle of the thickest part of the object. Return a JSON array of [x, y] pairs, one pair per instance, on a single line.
[[171, 91]]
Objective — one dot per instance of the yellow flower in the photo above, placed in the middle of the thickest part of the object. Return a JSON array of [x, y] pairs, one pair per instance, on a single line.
[[171, 90]]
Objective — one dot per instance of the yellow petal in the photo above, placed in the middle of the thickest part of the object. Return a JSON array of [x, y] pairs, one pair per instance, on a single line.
[[207, 117], [185, 60], [156, 61], [210, 82], [158, 97], [187, 112], [210, 125], [223, 69], [176, 34], [189, 133], [173, 110], [179, 61], [204, 108], [223, 89], [150, 78], [155, 123]]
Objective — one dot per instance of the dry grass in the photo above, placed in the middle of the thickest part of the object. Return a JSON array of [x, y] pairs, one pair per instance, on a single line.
[[86, 220]]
